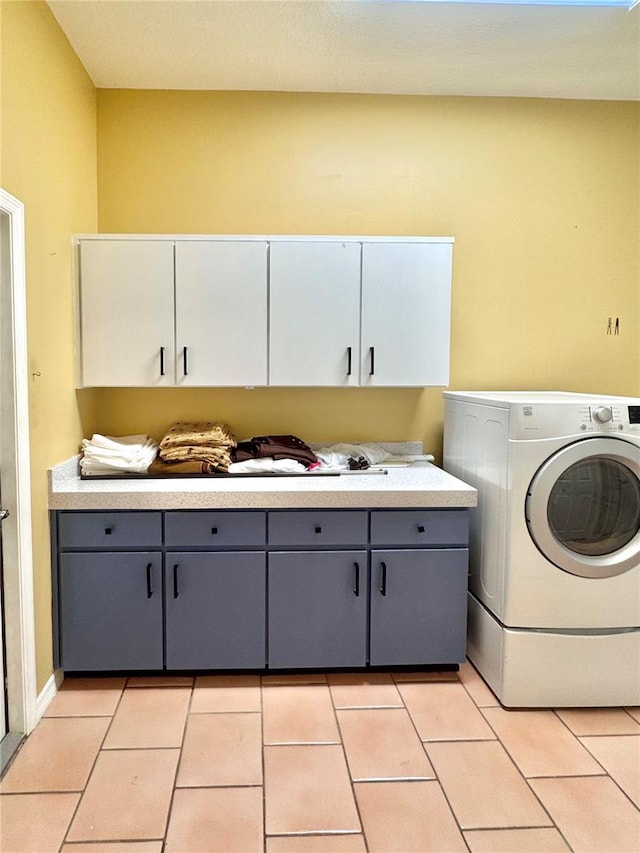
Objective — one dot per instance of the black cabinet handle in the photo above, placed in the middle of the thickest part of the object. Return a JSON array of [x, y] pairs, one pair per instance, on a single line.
[[372, 362], [108, 531], [356, 586], [348, 361], [383, 579], [161, 361], [149, 582], [421, 528], [185, 367], [214, 531], [176, 592], [318, 528]]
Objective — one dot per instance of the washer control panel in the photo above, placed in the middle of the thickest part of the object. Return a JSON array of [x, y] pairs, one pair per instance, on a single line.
[[600, 417], [604, 417]]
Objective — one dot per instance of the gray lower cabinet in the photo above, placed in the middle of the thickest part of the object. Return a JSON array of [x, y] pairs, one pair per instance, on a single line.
[[418, 606], [200, 589], [111, 610], [215, 610], [318, 609]]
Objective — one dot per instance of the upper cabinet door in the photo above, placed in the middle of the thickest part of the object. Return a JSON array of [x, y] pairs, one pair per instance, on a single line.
[[221, 313], [314, 302], [126, 310], [406, 295]]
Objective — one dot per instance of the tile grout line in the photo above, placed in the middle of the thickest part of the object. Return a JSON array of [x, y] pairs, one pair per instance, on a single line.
[[521, 773], [178, 763], [495, 739], [599, 763], [93, 767], [348, 766], [264, 768], [437, 778]]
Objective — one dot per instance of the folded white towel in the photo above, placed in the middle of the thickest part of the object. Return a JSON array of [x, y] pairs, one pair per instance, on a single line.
[[267, 465], [129, 453]]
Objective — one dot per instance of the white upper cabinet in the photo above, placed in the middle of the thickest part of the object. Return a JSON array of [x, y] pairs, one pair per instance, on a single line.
[[126, 312], [282, 311], [406, 314], [314, 313], [221, 310]]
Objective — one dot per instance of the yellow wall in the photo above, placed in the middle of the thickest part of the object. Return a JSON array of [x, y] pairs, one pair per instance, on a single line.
[[541, 196], [49, 163]]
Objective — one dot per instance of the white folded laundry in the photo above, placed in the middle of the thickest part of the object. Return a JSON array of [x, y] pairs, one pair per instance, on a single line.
[[267, 465], [128, 453]]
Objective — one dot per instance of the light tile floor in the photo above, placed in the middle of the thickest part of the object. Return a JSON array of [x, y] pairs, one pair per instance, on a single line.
[[337, 763]]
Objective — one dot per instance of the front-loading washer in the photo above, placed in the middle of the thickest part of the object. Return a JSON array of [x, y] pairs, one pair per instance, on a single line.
[[554, 587]]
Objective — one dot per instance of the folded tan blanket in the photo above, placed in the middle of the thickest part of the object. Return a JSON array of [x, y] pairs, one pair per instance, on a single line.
[[219, 457], [198, 434]]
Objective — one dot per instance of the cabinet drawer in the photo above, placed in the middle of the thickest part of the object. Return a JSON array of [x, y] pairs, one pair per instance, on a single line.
[[311, 528], [109, 529], [420, 527], [214, 529]]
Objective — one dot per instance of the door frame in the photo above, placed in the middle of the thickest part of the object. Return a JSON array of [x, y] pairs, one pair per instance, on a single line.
[[16, 474]]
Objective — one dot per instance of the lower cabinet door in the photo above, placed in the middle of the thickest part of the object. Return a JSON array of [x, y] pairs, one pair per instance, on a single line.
[[215, 610], [317, 609], [111, 611], [418, 606]]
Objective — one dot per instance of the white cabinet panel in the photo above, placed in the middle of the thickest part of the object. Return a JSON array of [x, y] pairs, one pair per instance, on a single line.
[[314, 324], [127, 312], [406, 295], [221, 312]]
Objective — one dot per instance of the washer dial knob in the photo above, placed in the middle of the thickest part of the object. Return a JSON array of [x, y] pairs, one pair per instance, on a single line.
[[603, 414]]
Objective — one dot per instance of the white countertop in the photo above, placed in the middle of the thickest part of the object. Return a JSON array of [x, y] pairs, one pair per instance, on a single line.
[[418, 485]]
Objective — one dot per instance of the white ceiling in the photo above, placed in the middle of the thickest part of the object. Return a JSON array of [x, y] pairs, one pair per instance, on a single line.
[[357, 46]]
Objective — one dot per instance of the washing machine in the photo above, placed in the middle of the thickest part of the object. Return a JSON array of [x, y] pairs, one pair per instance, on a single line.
[[554, 586]]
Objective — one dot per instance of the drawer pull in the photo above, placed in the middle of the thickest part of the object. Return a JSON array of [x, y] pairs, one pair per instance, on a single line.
[[356, 586], [108, 531], [149, 582], [176, 591], [383, 579], [318, 528], [421, 528], [214, 531]]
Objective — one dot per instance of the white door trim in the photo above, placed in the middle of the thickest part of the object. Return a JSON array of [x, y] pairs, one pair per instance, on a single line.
[[16, 474]]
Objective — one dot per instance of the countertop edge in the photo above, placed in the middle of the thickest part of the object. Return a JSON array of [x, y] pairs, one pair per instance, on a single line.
[[416, 486]]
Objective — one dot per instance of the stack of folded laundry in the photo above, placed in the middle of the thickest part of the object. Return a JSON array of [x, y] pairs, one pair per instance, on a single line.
[[105, 454], [200, 447], [272, 454]]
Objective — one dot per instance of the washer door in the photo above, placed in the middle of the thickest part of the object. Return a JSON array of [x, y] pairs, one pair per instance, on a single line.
[[583, 507]]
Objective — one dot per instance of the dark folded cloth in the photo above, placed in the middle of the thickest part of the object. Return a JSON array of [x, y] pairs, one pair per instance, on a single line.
[[276, 447]]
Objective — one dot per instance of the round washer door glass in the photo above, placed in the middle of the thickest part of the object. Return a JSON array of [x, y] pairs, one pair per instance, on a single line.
[[583, 507]]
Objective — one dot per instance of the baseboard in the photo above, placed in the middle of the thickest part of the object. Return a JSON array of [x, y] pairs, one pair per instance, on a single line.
[[48, 692]]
